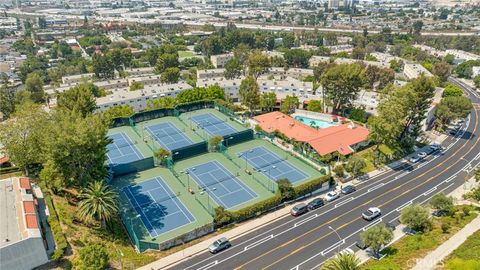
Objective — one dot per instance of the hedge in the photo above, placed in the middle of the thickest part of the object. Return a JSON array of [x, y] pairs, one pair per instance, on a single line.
[[256, 209], [311, 186], [9, 170], [58, 236], [270, 203]]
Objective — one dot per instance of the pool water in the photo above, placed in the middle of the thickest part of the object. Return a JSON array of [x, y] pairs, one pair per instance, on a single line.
[[314, 122]]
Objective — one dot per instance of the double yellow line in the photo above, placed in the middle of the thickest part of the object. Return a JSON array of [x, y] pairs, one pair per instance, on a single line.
[[366, 203]]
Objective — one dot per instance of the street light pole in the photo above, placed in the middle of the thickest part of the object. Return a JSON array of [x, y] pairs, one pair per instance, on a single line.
[[339, 238]]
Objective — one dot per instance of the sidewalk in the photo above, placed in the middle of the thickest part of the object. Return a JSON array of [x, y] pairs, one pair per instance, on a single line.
[[431, 260]]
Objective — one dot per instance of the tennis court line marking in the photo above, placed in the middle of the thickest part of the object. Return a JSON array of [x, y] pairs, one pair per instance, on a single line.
[[173, 199], [211, 191], [130, 145], [291, 166], [122, 155], [254, 195], [141, 210], [166, 145], [216, 130], [212, 176]]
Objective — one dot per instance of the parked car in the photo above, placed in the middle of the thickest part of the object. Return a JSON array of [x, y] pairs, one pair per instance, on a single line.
[[299, 209], [435, 147], [422, 155], [414, 158], [331, 196], [219, 245], [391, 226], [316, 203], [371, 213], [348, 189]]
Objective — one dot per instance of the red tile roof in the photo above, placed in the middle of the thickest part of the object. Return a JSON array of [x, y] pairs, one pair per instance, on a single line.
[[24, 183], [31, 221], [4, 159], [324, 141], [28, 207]]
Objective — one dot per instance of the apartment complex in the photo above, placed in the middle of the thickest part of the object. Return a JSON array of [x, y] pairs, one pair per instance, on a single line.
[[22, 244], [219, 61], [413, 70]]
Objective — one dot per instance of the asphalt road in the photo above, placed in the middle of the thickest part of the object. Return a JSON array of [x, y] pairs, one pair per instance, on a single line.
[[306, 242]]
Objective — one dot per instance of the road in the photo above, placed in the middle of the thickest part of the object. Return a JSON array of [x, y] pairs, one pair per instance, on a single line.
[[307, 241]]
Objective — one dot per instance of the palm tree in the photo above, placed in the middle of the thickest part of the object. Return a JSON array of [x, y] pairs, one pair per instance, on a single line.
[[98, 201], [342, 261]]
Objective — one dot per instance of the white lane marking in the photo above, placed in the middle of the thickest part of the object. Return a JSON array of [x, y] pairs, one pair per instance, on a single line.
[[332, 247], [209, 265], [375, 187], [403, 206], [305, 220], [429, 191], [344, 202], [372, 224], [258, 242]]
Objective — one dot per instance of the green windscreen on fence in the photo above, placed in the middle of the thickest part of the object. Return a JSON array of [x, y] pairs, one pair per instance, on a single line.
[[135, 166], [239, 137], [190, 151], [154, 114], [188, 107]]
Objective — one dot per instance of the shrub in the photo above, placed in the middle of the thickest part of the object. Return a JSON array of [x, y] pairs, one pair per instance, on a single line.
[[311, 186], [286, 189], [92, 257], [339, 171], [416, 217], [445, 227], [257, 208], [58, 236]]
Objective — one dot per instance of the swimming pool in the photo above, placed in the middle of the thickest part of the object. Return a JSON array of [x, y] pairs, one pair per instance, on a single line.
[[314, 122]]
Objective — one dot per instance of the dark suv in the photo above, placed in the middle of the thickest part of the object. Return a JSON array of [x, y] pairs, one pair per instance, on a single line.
[[316, 203], [348, 189]]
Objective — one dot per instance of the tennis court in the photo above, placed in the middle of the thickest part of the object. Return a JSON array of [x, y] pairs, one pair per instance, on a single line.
[[122, 150], [158, 206], [212, 124], [168, 136], [271, 165], [221, 184]]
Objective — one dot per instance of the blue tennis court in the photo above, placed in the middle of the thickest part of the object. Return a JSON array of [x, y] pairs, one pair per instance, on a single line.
[[168, 136], [213, 125], [122, 150], [271, 165], [158, 207], [221, 184]]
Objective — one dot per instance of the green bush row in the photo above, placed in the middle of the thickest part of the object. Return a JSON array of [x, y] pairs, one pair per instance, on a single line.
[[58, 236], [225, 217], [9, 169]]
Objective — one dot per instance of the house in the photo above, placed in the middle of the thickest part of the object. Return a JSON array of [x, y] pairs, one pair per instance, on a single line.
[[344, 138]]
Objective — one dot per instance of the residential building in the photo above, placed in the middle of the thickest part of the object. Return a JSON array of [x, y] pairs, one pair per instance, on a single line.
[[145, 80], [73, 79], [210, 73], [344, 138], [22, 244], [463, 55], [219, 61], [414, 70]]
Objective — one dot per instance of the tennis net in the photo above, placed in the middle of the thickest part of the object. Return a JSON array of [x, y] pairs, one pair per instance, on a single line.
[[122, 143], [208, 122], [259, 167]]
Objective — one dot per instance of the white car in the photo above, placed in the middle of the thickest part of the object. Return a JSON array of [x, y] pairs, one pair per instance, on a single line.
[[371, 213], [422, 155], [331, 196], [435, 146], [414, 158]]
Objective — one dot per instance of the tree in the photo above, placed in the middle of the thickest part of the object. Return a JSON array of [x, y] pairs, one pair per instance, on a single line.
[[268, 101], [134, 86], [476, 80], [119, 111], [355, 165], [452, 91], [233, 69], [34, 84], [97, 201], [297, 58], [286, 189], [7, 101], [258, 63], [442, 70], [161, 103], [241, 53], [359, 53], [92, 257], [441, 202], [249, 93], [103, 66], [78, 98], [289, 104], [376, 237], [416, 217], [342, 261], [358, 114], [215, 141], [451, 108], [165, 61], [222, 216], [464, 70], [417, 27], [23, 138], [341, 84], [162, 154], [314, 106], [170, 75]]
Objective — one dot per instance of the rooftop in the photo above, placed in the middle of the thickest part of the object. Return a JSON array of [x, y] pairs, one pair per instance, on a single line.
[[324, 141]]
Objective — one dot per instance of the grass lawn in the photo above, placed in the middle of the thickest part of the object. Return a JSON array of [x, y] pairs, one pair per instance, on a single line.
[[186, 54], [403, 253], [466, 256]]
